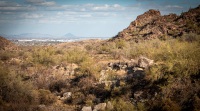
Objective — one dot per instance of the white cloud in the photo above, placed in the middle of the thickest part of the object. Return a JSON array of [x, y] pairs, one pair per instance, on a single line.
[[103, 7], [174, 6], [85, 15], [48, 3], [87, 7], [17, 8], [106, 7], [12, 6], [31, 16], [8, 4], [116, 6], [41, 2]]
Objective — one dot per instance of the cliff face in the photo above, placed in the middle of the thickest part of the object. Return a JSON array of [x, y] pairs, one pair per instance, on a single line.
[[152, 25]]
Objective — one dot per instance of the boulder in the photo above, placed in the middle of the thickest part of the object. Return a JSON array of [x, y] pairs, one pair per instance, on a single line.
[[100, 107], [86, 108], [67, 95], [144, 62], [109, 106]]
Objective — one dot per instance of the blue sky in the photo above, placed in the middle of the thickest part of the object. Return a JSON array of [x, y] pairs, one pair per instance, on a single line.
[[93, 18]]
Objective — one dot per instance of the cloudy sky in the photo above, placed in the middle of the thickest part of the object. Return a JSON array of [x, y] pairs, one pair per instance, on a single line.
[[99, 18]]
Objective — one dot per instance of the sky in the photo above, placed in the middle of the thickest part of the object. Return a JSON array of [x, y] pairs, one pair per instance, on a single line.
[[84, 18]]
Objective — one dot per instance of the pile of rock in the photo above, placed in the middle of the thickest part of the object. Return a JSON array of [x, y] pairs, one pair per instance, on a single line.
[[131, 69], [65, 70], [99, 107]]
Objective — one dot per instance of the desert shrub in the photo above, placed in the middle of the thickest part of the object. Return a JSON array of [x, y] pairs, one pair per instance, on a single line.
[[121, 105], [164, 104], [169, 105], [191, 37], [78, 98], [116, 91], [196, 103], [111, 75], [46, 97], [120, 44], [76, 55], [106, 48], [59, 51], [141, 106], [44, 56], [192, 26], [14, 92], [58, 85], [6, 55], [89, 67], [164, 37], [172, 56], [90, 99]]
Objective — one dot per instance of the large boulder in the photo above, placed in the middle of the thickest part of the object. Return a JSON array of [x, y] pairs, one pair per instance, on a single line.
[[86, 108], [100, 107], [144, 62]]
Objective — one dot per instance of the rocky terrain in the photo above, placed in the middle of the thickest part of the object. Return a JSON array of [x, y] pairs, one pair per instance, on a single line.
[[5, 44], [152, 24], [153, 65]]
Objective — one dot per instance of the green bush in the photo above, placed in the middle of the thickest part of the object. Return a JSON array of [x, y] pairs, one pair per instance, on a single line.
[[76, 55], [44, 56]]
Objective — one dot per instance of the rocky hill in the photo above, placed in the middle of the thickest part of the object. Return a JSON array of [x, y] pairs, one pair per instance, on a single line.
[[152, 24], [5, 44]]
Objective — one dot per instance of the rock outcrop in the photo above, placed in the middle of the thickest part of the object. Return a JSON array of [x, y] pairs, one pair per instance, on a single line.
[[152, 25]]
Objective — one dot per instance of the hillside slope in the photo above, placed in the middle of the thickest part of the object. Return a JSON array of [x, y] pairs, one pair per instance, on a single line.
[[5, 44], [152, 24]]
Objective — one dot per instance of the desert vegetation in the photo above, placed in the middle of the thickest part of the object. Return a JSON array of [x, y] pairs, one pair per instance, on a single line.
[[35, 78]]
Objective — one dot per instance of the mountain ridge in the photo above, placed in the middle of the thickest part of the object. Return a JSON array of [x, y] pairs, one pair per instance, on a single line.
[[152, 24]]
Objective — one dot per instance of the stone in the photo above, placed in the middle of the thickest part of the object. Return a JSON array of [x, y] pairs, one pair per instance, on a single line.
[[109, 106], [67, 95], [137, 69], [41, 107], [137, 95], [144, 62], [86, 108], [100, 107]]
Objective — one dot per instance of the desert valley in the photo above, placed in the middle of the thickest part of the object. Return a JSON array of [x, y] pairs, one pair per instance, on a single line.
[[152, 65]]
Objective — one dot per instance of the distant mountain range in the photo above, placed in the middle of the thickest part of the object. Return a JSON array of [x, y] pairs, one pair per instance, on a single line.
[[39, 36], [70, 35]]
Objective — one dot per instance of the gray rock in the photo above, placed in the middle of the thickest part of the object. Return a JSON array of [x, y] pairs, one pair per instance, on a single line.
[[100, 107], [86, 108]]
